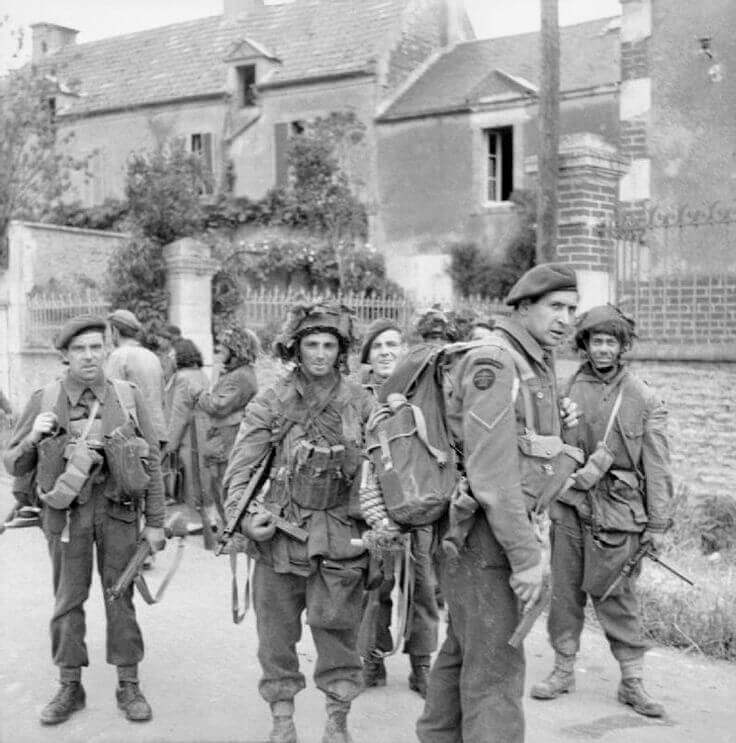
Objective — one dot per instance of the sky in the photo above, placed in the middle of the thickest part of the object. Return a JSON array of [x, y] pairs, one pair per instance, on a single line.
[[98, 19]]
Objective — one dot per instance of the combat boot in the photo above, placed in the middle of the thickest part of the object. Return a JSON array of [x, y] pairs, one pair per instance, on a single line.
[[336, 728], [283, 730], [69, 698], [631, 691], [132, 702], [374, 672], [419, 674], [560, 681]]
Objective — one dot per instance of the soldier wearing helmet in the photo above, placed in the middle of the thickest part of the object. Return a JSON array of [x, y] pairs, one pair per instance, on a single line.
[[614, 506], [314, 418]]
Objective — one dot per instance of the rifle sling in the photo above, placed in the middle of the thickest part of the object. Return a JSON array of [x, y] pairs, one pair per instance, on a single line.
[[142, 586]]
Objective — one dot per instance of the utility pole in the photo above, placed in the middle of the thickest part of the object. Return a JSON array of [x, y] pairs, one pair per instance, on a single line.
[[549, 133]]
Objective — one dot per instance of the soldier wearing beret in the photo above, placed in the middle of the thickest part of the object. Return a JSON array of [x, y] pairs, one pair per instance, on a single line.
[[313, 419], [60, 437], [383, 347], [500, 394], [129, 360], [613, 507]]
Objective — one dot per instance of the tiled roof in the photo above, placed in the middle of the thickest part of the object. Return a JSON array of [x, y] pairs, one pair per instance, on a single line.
[[589, 57], [310, 37]]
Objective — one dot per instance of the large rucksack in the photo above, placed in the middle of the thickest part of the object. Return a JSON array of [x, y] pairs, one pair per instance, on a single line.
[[408, 442]]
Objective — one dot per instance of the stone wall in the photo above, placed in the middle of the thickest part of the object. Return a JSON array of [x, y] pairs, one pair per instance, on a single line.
[[702, 421]]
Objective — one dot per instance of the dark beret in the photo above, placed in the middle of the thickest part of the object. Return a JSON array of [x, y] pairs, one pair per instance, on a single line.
[[374, 330], [542, 279], [77, 325]]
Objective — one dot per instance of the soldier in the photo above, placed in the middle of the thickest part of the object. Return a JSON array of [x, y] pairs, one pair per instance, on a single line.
[[314, 417], [434, 327], [596, 530], [129, 360], [476, 683], [383, 346], [84, 504], [236, 351]]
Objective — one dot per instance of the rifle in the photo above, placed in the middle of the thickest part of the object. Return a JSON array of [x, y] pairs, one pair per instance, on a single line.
[[532, 614], [133, 570], [644, 551], [255, 482]]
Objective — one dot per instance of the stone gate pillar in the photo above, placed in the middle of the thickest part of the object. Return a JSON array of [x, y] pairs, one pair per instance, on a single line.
[[189, 271], [590, 169]]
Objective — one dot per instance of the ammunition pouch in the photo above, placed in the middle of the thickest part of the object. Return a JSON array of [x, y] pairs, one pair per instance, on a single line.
[[598, 463], [51, 461], [318, 481], [69, 486], [604, 556], [127, 456], [546, 464]]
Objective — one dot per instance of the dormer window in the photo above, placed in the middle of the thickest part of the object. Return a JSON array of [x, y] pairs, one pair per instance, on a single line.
[[246, 85]]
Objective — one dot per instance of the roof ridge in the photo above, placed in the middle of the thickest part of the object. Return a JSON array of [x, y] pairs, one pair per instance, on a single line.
[[591, 21]]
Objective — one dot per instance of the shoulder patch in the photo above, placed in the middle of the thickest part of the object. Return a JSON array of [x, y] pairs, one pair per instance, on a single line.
[[484, 378], [487, 361]]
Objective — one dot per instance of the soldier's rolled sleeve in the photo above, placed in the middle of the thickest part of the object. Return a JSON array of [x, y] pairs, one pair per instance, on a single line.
[[655, 459], [252, 442], [155, 509], [21, 456], [491, 452]]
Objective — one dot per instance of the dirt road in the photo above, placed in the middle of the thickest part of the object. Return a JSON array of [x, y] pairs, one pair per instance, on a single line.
[[200, 673]]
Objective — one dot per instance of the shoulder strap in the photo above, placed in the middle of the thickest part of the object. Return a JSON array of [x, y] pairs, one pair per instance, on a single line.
[[126, 398], [524, 374]]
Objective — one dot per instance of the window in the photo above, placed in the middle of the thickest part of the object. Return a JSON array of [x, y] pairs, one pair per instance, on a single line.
[[499, 163], [283, 131], [200, 144], [246, 85]]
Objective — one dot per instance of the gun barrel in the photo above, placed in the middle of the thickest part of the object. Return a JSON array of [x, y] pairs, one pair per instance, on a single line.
[[667, 566]]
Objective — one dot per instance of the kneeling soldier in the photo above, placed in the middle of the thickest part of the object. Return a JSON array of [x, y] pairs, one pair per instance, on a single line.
[[62, 436], [600, 522], [314, 419]]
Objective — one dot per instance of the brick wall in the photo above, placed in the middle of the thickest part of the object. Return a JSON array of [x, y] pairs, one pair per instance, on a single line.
[[634, 59], [702, 421]]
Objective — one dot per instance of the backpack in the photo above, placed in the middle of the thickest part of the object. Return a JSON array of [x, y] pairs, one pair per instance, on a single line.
[[408, 443]]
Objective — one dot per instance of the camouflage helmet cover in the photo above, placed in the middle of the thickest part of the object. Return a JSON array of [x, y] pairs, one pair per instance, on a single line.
[[605, 318], [315, 317], [243, 344]]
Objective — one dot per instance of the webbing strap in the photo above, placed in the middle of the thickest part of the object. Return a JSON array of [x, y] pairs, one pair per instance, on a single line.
[[421, 425], [401, 598], [142, 586], [238, 612], [524, 373]]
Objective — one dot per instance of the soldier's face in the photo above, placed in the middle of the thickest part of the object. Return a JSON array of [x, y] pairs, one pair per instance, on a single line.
[[603, 350], [318, 353], [550, 318], [387, 348], [222, 353], [85, 355]]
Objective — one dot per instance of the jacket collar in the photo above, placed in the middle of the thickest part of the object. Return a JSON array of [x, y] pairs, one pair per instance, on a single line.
[[523, 338], [74, 388], [587, 374]]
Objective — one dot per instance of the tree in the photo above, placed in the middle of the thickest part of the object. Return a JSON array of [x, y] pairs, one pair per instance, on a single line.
[[34, 166], [549, 136]]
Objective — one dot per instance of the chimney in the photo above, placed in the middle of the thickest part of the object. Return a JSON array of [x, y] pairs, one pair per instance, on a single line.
[[454, 30], [48, 38], [234, 8]]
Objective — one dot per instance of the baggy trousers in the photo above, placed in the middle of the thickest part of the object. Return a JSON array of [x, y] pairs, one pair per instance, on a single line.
[[477, 681], [618, 615], [423, 617], [113, 530], [333, 599]]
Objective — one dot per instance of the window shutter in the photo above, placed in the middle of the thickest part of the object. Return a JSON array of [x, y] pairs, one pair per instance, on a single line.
[[281, 148]]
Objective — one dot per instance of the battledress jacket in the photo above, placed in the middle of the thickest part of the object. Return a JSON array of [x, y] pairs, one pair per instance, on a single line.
[[330, 528], [485, 415], [636, 493]]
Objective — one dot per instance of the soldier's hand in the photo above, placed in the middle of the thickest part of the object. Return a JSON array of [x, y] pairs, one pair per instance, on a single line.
[[527, 584], [155, 537], [569, 412], [258, 526], [44, 423], [655, 539]]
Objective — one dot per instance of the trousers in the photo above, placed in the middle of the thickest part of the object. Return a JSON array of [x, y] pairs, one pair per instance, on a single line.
[[618, 615], [112, 530], [477, 680], [332, 597]]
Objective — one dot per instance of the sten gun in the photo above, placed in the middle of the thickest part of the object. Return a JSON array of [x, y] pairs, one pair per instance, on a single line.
[[133, 570], [644, 551], [530, 616]]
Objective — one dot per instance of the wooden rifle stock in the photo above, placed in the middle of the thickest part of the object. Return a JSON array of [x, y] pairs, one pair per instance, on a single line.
[[530, 617], [254, 485]]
